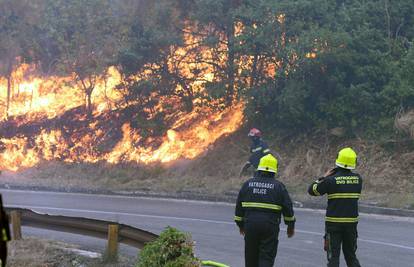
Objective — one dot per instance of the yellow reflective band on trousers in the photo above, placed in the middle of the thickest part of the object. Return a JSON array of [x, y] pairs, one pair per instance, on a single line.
[[261, 205], [341, 220], [344, 195], [214, 263], [315, 191], [238, 219], [289, 219], [4, 234]]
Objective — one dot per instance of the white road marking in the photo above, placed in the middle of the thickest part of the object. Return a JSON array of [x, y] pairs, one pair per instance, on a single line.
[[386, 244], [360, 239], [200, 220], [160, 198]]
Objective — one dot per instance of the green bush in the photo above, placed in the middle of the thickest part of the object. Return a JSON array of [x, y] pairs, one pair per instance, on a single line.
[[171, 249]]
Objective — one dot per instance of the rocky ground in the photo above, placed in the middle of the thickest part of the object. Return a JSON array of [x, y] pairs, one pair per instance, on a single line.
[[35, 252]]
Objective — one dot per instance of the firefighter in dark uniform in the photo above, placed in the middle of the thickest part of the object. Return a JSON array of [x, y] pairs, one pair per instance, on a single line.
[[5, 234], [343, 188], [260, 203], [258, 149]]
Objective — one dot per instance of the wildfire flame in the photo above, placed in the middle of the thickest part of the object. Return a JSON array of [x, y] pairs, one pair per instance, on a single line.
[[34, 98], [52, 97], [188, 144], [179, 144]]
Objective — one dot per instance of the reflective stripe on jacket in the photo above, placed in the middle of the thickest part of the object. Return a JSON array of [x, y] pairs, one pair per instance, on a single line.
[[343, 189], [258, 150], [263, 198]]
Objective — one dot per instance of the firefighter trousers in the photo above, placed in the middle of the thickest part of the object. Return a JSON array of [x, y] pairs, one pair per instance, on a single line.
[[345, 235], [3, 253], [260, 243]]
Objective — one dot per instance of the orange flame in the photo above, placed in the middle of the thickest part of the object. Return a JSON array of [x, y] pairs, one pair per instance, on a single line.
[[34, 98], [186, 144], [177, 144]]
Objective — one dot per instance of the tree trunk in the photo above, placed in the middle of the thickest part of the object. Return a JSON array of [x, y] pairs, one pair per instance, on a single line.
[[230, 61], [89, 98], [253, 78], [9, 86], [88, 89], [187, 96], [231, 53]]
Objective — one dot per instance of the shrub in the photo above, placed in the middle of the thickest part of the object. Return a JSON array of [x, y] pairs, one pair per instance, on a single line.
[[171, 249]]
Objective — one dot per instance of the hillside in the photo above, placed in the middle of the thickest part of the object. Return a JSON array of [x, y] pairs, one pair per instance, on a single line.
[[387, 170]]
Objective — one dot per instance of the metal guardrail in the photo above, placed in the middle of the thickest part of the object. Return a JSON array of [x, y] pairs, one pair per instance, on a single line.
[[96, 228], [112, 231]]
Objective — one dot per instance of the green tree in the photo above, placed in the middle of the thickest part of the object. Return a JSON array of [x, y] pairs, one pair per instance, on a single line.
[[216, 22], [281, 39], [17, 25], [335, 62], [86, 34], [148, 62]]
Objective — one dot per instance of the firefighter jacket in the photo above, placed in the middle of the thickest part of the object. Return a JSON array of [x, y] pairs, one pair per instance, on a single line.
[[343, 188], [263, 198], [4, 224], [258, 150]]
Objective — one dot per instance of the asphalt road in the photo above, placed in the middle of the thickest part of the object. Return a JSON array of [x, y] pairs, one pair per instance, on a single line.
[[383, 240]]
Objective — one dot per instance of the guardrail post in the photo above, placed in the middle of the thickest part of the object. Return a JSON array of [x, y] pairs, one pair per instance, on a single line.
[[112, 248], [16, 224]]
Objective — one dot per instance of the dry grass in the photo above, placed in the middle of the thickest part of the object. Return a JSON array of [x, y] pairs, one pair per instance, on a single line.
[[388, 172], [404, 122], [34, 252]]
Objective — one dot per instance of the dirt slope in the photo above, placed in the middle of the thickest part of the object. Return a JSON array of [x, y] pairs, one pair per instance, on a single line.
[[387, 170]]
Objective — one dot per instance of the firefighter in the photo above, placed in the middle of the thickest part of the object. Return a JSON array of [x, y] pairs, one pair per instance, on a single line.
[[260, 203], [343, 188], [5, 234], [258, 149]]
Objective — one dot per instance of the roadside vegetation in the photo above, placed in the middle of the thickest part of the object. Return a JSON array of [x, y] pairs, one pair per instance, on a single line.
[[171, 249]]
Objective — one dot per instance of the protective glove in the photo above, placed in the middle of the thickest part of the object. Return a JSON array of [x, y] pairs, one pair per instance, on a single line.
[[290, 231], [325, 243], [330, 172], [244, 169]]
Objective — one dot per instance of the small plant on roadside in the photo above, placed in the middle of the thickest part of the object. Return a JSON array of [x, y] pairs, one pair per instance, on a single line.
[[171, 249]]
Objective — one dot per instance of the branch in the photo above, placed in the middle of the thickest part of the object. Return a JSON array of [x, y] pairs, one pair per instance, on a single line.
[[388, 24], [397, 32]]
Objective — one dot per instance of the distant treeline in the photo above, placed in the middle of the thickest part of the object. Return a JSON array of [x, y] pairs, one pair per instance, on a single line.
[[296, 64]]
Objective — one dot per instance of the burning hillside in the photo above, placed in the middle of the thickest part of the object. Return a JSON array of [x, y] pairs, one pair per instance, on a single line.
[[47, 122], [35, 97]]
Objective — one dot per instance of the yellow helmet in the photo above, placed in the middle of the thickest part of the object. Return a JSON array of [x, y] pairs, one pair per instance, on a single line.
[[268, 163], [347, 158]]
